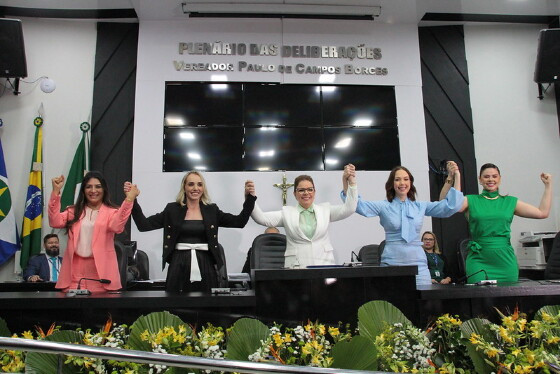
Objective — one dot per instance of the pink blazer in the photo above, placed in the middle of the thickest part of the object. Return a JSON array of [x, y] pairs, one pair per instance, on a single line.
[[110, 221]]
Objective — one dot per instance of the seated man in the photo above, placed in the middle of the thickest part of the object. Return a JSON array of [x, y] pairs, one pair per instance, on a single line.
[[45, 267]]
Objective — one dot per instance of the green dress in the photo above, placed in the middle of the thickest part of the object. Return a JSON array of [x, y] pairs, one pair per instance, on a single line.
[[490, 248]]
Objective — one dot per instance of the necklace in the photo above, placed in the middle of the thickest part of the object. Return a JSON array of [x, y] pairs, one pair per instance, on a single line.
[[490, 195]]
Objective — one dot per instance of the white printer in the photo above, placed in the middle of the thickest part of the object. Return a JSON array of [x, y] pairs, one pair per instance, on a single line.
[[534, 250]]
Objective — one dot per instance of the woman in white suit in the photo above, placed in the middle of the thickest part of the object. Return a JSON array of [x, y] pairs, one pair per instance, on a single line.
[[306, 225]]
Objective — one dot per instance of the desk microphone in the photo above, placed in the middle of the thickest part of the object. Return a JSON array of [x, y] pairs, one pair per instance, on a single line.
[[466, 277], [79, 291], [354, 257]]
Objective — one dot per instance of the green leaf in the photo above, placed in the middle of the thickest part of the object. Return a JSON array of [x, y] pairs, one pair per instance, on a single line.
[[153, 322], [357, 354], [480, 327], [374, 316], [552, 310], [245, 338], [44, 363], [4, 330]]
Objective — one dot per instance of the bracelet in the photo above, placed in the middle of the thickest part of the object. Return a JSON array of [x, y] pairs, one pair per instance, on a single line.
[[450, 181]]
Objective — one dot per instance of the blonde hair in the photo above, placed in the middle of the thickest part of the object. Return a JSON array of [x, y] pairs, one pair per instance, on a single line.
[[182, 197], [436, 246]]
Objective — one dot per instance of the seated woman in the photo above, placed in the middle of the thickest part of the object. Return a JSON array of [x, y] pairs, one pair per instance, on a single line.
[[401, 215], [91, 224], [190, 233], [436, 260], [306, 225]]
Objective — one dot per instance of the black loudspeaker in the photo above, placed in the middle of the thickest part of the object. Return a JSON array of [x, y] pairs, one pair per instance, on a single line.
[[547, 68], [12, 50]]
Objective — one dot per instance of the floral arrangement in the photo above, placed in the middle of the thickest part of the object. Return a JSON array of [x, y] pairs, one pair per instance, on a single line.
[[384, 340], [403, 348], [308, 345], [517, 346]]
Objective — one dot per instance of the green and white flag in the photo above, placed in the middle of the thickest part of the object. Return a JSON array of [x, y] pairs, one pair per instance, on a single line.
[[77, 170]]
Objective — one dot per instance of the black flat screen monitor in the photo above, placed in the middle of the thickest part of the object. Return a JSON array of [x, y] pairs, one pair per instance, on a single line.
[[290, 105], [359, 106], [204, 104], [283, 149], [203, 148], [367, 149]]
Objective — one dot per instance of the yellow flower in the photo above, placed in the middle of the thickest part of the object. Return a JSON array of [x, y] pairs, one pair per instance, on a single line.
[[516, 351], [504, 334], [523, 369], [180, 338], [553, 340], [508, 322], [475, 338], [27, 335], [547, 317], [145, 335], [522, 322], [307, 348], [492, 352], [277, 339], [317, 346], [334, 331], [321, 329], [287, 338]]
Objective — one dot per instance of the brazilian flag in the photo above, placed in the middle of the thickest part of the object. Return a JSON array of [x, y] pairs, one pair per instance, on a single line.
[[33, 216]]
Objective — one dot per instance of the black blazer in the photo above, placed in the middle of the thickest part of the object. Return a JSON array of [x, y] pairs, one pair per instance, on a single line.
[[174, 214]]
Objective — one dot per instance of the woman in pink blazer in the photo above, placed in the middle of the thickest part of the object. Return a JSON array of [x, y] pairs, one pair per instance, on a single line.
[[91, 225]]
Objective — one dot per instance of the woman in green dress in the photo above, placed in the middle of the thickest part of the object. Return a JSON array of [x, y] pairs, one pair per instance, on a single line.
[[489, 214]]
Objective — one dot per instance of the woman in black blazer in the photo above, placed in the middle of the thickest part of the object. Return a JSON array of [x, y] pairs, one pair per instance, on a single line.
[[191, 224]]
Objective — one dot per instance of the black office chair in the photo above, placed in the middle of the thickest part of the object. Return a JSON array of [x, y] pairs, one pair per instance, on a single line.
[[122, 261], [462, 253], [371, 254], [268, 251], [223, 280], [141, 265], [552, 270]]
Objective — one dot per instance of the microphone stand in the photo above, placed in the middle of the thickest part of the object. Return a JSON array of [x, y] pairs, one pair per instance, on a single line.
[[80, 291]]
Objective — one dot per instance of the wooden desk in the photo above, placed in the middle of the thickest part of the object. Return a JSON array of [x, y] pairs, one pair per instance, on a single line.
[[330, 294], [23, 310], [479, 301]]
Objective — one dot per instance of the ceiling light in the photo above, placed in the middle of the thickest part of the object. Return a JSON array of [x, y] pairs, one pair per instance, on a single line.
[[363, 122], [278, 9], [331, 161], [194, 156], [268, 153], [186, 135], [174, 121], [343, 143]]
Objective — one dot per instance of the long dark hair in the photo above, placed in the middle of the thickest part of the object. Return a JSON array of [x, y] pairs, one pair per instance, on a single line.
[[81, 201], [390, 184]]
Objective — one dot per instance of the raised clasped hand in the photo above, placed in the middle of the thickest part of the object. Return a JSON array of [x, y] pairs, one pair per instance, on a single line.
[[452, 168], [131, 190], [249, 188]]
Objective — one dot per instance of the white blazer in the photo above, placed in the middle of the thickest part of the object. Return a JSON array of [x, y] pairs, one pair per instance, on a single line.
[[300, 250]]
